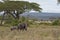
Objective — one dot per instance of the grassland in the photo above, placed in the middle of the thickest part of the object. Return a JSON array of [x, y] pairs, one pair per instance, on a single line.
[[34, 32]]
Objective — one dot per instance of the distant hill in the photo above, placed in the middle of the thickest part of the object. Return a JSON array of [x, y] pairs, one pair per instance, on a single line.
[[41, 16]]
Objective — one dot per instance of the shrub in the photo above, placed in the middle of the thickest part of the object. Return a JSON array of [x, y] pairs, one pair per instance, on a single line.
[[56, 22], [12, 22], [15, 22]]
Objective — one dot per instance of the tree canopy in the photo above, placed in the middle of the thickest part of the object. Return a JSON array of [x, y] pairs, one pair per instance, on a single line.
[[19, 5]]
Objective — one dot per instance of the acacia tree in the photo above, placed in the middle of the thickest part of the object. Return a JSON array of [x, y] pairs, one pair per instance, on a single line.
[[15, 8]]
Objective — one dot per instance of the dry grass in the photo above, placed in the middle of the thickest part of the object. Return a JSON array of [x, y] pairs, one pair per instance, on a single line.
[[35, 32]]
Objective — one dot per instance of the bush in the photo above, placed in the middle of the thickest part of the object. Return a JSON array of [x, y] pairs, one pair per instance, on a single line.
[[12, 22], [56, 22], [15, 22]]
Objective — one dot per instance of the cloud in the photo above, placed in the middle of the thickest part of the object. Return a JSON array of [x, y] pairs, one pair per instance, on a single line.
[[47, 5]]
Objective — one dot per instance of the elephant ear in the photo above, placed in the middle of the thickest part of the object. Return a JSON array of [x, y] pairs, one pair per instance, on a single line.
[[58, 1]]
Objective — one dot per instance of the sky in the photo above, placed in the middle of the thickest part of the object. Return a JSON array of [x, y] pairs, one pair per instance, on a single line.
[[47, 5]]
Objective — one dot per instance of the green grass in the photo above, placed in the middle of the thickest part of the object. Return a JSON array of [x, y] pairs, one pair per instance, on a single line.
[[34, 32]]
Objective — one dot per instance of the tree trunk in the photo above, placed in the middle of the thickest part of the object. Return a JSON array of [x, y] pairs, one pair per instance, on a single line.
[[12, 15], [17, 16], [2, 18]]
